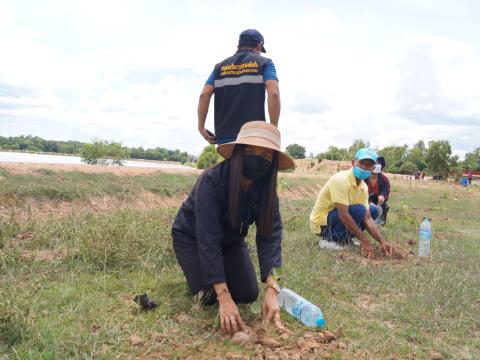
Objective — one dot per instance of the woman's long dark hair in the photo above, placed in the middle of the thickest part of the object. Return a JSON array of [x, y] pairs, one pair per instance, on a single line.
[[267, 188]]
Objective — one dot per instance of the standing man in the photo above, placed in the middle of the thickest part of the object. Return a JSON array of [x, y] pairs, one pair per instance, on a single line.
[[239, 84], [342, 210]]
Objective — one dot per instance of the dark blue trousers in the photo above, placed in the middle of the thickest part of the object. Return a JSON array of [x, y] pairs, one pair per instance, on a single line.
[[238, 266], [336, 231]]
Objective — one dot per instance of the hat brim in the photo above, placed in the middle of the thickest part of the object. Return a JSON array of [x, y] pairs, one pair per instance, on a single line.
[[284, 161], [263, 49]]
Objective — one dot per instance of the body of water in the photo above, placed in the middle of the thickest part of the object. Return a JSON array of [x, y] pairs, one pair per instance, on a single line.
[[63, 159]]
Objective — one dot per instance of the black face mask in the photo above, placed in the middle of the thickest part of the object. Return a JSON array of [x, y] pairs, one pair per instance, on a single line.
[[254, 167]]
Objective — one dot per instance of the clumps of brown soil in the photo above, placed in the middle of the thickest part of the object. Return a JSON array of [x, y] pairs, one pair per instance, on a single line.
[[399, 255], [135, 340], [283, 345]]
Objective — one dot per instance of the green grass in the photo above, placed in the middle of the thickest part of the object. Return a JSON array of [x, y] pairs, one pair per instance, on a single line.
[[78, 303]]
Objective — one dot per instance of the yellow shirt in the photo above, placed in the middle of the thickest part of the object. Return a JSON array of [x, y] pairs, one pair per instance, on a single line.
[[341, 188]]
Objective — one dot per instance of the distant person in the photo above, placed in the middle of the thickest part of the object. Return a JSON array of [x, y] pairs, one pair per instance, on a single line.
[[210, 228], [342, 210], [239, 84], [379, 189], [470, 176]]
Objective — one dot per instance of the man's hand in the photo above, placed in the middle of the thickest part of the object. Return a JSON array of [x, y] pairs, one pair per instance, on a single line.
[[270, 308], [367, 249], [230, 320], [387, 248], [381, 200], [206, 135]]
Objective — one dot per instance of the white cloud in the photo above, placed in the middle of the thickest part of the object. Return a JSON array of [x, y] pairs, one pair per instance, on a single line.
[[134, 74], [322, 21], [6, 14], [436, 77]]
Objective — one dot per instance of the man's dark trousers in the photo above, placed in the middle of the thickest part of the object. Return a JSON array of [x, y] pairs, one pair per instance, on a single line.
[[337, 232]]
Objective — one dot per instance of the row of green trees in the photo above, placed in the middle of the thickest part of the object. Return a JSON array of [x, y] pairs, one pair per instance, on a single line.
[[436, 158], [37, 144]]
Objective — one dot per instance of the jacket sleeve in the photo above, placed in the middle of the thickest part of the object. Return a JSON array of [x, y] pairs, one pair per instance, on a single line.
[[269, 247], [385, 187], [209, 232]]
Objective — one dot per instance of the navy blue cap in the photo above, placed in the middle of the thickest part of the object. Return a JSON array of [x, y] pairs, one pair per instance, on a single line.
[[251, 37]]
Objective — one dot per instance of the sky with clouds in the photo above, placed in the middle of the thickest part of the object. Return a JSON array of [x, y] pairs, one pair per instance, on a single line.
[[131, 71]]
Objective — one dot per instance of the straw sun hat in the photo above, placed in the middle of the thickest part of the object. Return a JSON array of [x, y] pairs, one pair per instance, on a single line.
[[258, 133]]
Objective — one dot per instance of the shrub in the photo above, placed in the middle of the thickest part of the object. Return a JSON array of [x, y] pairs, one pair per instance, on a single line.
[[102, 152], [208, 157]]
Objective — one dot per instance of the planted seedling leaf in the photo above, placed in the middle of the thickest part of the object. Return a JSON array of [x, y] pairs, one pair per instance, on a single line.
[[255, 307]]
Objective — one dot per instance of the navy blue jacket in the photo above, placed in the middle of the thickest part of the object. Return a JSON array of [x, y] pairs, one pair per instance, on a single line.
[[239, 92], [203, 216]]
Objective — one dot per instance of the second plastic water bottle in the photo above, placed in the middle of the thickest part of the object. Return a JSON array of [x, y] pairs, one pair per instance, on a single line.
[[424, 240], [300, 308]]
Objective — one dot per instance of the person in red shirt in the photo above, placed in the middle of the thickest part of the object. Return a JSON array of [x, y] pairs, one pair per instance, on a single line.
[[379, 188], [470, 176]]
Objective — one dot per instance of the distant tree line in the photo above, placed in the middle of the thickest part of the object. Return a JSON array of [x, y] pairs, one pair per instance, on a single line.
[[436, 158], [37, 144]]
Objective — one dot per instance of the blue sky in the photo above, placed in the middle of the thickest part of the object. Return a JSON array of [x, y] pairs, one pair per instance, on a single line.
[[131, 71]]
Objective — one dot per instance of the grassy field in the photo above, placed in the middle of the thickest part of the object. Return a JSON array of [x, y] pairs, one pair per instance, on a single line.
[[67, 280]]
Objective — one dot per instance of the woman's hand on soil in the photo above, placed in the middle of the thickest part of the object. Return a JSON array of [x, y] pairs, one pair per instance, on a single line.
[[270, 308], [230, 320]]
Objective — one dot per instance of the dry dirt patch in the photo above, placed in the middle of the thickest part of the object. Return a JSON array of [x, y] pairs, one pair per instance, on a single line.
[[32, 168]]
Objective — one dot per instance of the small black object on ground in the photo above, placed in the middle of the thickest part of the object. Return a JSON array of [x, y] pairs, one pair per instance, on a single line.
[[145, 302]]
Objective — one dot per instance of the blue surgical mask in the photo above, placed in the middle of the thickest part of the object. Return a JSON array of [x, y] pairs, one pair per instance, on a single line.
[[361, 173]]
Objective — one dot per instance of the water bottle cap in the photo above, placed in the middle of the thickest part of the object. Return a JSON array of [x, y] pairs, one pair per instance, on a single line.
[[320, 322]]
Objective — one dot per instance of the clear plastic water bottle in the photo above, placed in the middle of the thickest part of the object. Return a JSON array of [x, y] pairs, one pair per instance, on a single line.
[[300, 308], [425, 237]]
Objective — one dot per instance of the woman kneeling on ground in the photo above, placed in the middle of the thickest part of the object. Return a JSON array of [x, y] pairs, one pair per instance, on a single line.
[[210, 228]]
